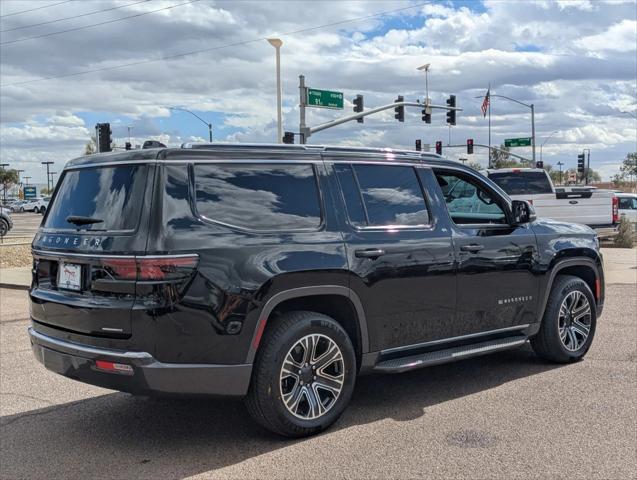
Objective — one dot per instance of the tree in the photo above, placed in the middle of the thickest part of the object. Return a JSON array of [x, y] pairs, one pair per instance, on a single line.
[[475, 165], [627, 171], [501, 158], [8, 178], [91, 146]]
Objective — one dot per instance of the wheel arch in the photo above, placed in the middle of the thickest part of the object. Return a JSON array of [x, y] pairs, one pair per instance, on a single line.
[[313, 298], [585, 268]]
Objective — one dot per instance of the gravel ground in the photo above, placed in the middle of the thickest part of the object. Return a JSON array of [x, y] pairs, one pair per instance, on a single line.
[[15, 256]]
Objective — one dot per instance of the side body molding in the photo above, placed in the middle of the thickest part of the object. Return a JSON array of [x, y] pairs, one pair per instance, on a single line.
[[572, 262], [275, 300]]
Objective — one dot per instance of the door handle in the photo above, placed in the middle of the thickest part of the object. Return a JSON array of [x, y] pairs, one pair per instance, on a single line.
[[471, 248], [369, 253]]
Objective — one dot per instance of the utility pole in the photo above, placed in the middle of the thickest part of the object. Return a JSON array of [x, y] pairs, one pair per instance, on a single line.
[[26, 180], [559, 164], [48, 187], [52, 180]]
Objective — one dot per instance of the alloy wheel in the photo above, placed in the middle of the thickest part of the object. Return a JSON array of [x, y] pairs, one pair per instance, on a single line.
[[312, 376], [574, 321]]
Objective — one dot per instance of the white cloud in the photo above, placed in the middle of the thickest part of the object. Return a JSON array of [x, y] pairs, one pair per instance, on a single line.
[[620, 37]]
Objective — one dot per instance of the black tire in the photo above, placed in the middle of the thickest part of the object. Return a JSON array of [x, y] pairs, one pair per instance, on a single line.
[[547, 342], [265, 400], [4, 227], [42, 210]]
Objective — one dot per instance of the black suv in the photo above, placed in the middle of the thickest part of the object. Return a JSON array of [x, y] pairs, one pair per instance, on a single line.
[[281, 272]]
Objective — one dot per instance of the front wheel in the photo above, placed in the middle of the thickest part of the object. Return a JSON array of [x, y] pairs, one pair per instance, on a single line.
[[569, 321], [304, 375], [4, 227]]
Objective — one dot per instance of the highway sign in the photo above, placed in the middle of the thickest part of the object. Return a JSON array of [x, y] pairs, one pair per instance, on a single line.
[[30, 192], [518, 142], [324, 99]]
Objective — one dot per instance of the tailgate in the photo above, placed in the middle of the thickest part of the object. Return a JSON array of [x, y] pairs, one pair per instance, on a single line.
[[588, 210]]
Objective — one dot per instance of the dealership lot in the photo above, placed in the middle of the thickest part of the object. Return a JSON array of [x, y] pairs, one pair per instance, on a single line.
[[508, 415]]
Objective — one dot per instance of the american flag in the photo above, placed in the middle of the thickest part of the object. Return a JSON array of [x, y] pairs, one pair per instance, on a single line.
[[485, 103]]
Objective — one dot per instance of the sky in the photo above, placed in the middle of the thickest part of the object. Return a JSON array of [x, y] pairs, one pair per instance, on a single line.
[[67, 65]]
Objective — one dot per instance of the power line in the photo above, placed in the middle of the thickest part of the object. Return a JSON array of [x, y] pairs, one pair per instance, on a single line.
[[72, 17], [219, 47], [95, 24], [34, 9]]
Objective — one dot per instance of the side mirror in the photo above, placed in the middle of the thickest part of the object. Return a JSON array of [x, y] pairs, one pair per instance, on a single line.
[[523, 212]]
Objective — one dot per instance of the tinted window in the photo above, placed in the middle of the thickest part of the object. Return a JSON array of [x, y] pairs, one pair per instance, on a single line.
[[352, 195], [259, 197], [113, 195], [626, 203], [467, 201], [520, 183], [391, 195]]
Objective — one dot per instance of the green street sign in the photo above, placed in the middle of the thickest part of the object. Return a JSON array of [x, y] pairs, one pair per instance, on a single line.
[[324, 99], [517, 142]]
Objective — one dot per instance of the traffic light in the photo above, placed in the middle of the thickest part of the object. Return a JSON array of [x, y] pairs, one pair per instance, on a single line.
[[103, 137], [439, 147], [128, 146], [426, 117], [539, 164], [358, 107], [288, 137], [451, 114], [581, 163], [418, 145], [400, 111], [469, 146]]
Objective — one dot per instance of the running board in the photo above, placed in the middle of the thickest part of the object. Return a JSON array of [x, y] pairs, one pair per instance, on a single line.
[[403, 364]]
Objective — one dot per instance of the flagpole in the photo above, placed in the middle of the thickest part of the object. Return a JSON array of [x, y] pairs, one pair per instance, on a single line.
[[489, 107]]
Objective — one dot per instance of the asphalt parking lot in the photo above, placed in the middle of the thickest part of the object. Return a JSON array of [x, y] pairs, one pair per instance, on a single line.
[[507, 415], [25, 226]]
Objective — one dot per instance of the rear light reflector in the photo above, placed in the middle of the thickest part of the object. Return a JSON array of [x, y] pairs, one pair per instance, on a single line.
[[615, 209], [151, 268], [114, 367], [598, 289]]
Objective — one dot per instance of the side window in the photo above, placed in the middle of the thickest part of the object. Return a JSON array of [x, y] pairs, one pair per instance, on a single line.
[[382, 195], [263, 197], [467, 201]]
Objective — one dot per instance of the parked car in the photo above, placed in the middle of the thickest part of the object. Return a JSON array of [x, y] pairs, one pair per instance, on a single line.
[[37, 205], [17, 206], [628, 206], [6, 223], [586, 205], [280, 272]]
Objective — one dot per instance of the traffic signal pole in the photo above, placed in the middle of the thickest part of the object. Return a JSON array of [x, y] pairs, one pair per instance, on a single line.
[[306, 132]]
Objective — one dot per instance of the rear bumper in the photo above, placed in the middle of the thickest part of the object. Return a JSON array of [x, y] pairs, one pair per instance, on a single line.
[[149, 376]]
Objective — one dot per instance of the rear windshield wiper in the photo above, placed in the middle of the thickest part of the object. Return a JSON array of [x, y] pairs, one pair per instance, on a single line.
[[79, 220]]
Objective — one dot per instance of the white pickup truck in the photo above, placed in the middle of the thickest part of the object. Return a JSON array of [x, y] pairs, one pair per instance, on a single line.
[[596, 208]]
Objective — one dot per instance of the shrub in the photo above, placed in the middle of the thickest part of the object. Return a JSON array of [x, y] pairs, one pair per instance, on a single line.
[[624, 237]]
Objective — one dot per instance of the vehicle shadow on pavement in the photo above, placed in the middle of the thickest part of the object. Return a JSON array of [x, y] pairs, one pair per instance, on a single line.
[[120, 436]]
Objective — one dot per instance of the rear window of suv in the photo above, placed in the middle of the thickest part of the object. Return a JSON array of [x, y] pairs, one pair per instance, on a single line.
[[260, 197], [113, 195], [522, 183]]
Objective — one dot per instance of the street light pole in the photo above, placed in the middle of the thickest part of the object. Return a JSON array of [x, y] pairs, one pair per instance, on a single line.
[[276, 43], [197, 116], [546, 140], [559, 164], [26, 180], [52, 180]]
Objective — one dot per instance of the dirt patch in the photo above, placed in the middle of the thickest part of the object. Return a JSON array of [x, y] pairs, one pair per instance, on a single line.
[[15, 256]]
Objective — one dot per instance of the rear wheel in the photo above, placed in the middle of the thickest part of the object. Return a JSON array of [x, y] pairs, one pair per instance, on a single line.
[[569, 321], [42, 210], [303, 376]]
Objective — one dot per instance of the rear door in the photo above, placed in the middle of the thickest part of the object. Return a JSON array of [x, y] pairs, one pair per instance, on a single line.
[[400, 258], [83, 279]]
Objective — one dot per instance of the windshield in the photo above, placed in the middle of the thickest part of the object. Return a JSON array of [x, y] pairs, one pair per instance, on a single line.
[[520, 183], [112, 195]]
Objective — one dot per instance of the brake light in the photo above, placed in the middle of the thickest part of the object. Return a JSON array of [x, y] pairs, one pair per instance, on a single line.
[[516, 170], [615, 209], [113, 367], [151, 268]]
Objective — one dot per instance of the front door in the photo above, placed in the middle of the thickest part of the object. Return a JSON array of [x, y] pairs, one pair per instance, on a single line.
[[401, 260], [497, 285]]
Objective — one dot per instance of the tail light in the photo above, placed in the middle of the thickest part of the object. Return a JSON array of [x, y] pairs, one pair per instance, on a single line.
[[530, 201], [615, 209], [159, 268]]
